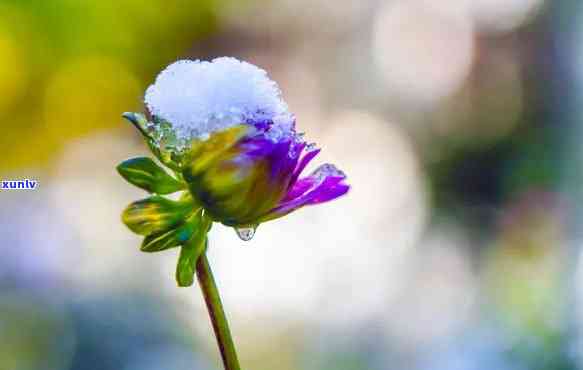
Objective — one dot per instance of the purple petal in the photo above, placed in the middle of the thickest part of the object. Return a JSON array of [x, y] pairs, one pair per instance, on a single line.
[[300, 187], [330, 193], [257, 146], [307, 158], [276, 154], [324, 184]]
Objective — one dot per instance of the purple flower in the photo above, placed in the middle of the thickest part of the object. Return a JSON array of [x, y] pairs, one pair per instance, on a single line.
[[252, 178], [224, 131]]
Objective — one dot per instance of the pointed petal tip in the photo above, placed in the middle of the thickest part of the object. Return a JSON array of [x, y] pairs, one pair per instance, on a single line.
[[130, 116], [137, 119]]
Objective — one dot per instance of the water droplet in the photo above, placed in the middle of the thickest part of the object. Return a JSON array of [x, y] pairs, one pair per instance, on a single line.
[[246, 233]]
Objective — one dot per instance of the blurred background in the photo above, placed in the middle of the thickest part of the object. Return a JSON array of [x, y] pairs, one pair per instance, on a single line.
[[458, 123]]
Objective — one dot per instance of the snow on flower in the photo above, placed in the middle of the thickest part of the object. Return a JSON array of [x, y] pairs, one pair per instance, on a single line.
[[198, 98]]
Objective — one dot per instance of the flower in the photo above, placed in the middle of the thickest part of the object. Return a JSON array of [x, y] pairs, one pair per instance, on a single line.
[[224, 131]]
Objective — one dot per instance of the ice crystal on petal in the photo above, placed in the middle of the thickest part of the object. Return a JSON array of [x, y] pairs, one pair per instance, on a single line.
[[327, 170], [311, 147]]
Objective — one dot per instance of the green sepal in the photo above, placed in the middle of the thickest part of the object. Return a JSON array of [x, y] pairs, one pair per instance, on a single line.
[[190, 253], [172, 238], [139, 121], [146, 128], [146, 174], [156, 214]]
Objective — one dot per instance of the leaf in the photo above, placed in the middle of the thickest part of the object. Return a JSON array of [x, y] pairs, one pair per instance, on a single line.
[[139, 121], [174, 237], [190, 253], [156, 214], [146, 174], [145, 128], [187, 262]]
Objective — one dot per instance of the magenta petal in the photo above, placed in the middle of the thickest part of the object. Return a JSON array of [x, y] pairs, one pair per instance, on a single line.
[[306, 159], [276, 153], [299, 188], [330, 193], [325, 184], [281, 162]]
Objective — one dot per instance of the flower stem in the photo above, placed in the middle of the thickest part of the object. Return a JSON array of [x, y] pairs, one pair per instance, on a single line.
[[217, 314]]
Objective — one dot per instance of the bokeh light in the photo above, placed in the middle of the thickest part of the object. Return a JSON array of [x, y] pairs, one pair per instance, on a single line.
[[13, 74], [76, 101], [503, 15], [423, 54]]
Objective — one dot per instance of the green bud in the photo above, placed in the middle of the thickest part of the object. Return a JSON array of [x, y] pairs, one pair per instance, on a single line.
[[156, 214], [146, 174], [174, 237]]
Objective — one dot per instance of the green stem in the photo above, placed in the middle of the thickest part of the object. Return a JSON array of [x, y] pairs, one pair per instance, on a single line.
[[217, 314]]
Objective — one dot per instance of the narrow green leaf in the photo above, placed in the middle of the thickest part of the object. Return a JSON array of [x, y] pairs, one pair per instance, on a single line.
[[146, 128], [156, 214], [174, 237], [139, 121], [190, 253], [187, 262], [146, 174]]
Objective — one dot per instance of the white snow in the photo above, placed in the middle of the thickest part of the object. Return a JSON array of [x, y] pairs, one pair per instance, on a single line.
[[199, 97]]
